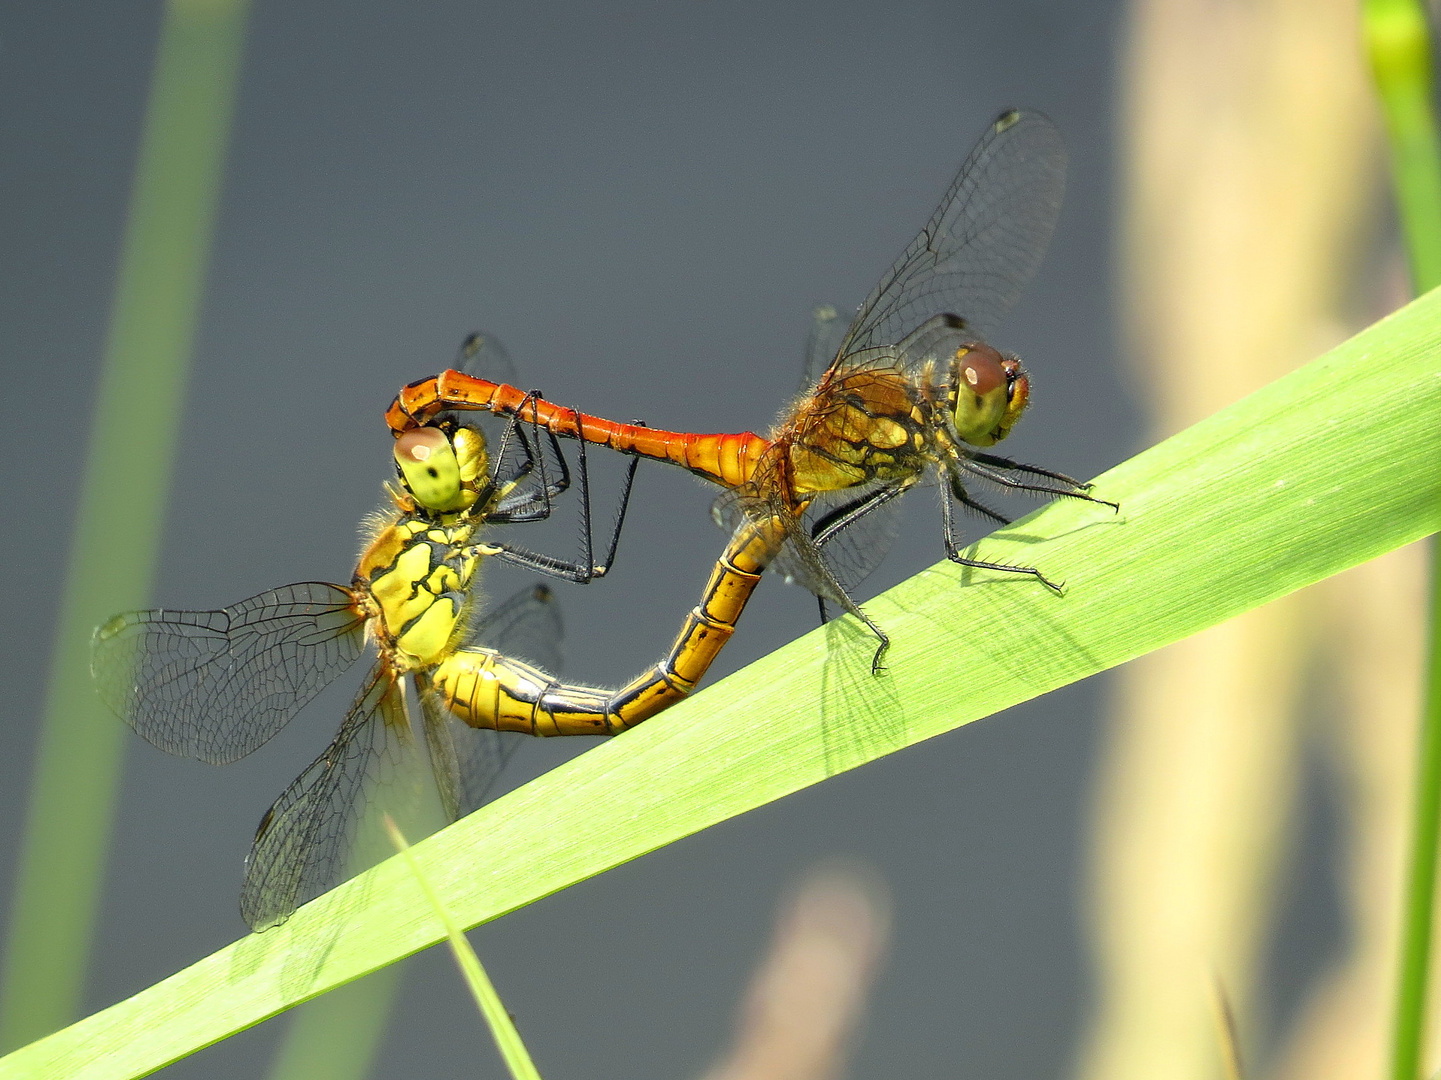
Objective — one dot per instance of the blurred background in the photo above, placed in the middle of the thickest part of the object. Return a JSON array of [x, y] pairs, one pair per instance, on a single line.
[[644, 203]]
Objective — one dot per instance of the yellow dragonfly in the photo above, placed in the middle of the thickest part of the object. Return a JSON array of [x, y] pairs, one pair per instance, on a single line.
[[216, 685]]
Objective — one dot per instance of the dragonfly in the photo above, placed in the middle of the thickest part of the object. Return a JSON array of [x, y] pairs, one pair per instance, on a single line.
[[216, 685], [912, 392]]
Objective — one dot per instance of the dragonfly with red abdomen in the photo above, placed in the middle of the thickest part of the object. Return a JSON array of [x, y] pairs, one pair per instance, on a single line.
[[912, 390]]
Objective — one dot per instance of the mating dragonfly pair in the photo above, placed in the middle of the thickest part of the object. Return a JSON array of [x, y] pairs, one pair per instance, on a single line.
[[909, 391]]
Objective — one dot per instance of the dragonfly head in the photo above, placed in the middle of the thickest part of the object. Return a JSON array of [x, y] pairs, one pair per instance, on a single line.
[[989, 393], [440, 470]]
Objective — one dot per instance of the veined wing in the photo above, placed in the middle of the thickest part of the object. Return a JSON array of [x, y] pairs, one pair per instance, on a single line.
[[215, 685], [466, 760], [823, 344], [526, 626], [831, 549], [323, 828], [481, 354], [981, 245]]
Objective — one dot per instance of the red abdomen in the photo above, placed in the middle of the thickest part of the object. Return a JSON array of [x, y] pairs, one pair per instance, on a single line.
[[728, 459]]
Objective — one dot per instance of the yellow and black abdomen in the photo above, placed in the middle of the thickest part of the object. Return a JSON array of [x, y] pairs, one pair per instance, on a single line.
[[487, 690], [418, 574]]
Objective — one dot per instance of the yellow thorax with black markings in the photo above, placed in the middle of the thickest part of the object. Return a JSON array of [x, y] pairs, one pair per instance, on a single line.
[[418, 567]]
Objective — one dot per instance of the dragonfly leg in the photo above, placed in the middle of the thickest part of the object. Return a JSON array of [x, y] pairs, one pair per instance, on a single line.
[[829, 525], [994, 469], [586, 569], [604, 568], [580, 573], [953, 546], [998, 462], [587, 529], [962, 496], [529, 505], [841, 596]]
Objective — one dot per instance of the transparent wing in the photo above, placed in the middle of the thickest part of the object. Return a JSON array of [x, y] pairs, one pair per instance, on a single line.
[[981, 245], [466, 760], [527, 626], [849, 549], [215, 685], [481, 354], [823, 343], [310, 840]]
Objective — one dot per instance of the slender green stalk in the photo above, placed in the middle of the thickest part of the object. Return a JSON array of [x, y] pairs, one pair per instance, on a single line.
[[1399, 41], [1299, 481], [336, 1037], [502, 1027], [121, 509]]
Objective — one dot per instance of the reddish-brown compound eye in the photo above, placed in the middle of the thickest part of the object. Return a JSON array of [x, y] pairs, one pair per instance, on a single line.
[[982, 370], [418, 444], [982, 390], [429, 469]]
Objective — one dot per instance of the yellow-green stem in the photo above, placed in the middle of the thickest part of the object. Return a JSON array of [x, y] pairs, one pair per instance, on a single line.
[[487, 1000], [1398, 39], [122, 503]]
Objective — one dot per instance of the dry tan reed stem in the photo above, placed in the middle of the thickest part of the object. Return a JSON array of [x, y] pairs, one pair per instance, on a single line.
[[1250, 172]]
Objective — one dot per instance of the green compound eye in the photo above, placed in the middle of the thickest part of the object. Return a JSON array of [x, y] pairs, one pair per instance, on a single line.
[[429, 469]]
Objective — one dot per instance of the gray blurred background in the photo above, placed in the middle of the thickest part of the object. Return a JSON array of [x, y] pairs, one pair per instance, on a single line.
[[644, 204]]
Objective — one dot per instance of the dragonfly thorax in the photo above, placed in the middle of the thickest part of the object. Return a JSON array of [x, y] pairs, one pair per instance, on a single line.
[[417, 574], [869, 425]]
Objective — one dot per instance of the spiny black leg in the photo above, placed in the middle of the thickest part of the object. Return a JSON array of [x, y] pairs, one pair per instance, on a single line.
[[963, 496], [600, 571], [562, 484], [1035, 470], [878, 668], [532, 560], [844, 599], [829, 525], [953, 549], [585, 528], [1081, 491]]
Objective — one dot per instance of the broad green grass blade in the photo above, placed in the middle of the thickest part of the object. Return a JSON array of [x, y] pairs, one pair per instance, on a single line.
[[1398, 38], [1326, 468], [502, 1027], [122, 504]]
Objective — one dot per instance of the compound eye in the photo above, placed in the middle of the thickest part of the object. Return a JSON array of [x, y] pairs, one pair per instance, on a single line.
[[429, 469], [982, 371], [982, 392]]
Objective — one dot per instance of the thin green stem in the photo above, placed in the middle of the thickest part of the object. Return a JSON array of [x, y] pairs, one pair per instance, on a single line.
[[487, 1000], [1419, 903], [1398, 39], [121, 509]]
